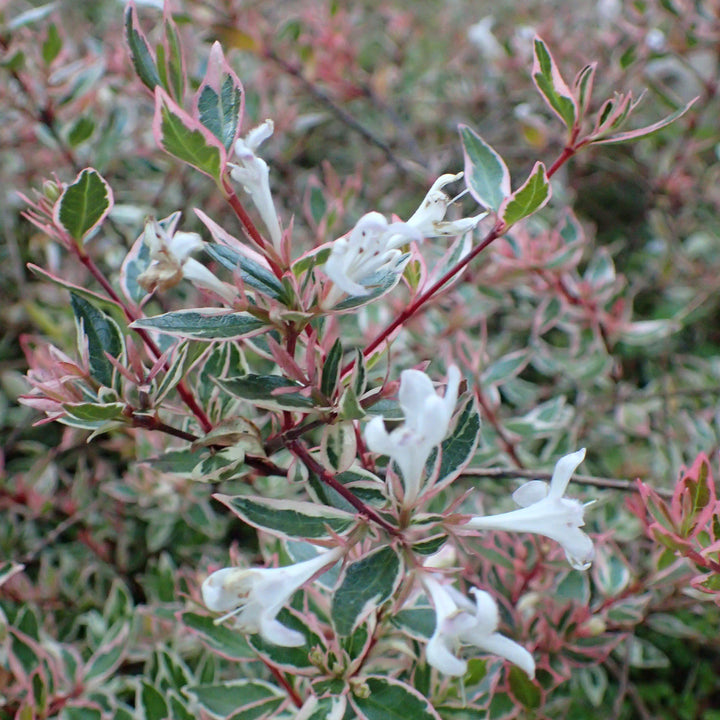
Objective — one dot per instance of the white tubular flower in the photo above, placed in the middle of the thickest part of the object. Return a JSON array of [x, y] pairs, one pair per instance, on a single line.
[[371, 246], [253, 174], [546, 512], [256, 595], [429, 218], [170, 261], [427, 418], [460, 622]]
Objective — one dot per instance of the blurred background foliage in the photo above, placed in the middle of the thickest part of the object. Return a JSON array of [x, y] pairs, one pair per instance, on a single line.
[[366, 99]]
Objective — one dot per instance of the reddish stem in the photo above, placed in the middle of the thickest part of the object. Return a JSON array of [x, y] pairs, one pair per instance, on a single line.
[[301, 452], [154, 350], [250, 228], [289, 689], [493, 235]]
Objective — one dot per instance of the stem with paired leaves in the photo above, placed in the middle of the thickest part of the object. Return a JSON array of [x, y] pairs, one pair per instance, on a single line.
[[301, 452]]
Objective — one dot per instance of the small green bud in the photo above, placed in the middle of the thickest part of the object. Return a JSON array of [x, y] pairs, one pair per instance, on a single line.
[[51, 190]]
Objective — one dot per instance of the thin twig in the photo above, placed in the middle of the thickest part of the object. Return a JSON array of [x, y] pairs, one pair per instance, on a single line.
[[342, 114], [601, 482], [303, 454]]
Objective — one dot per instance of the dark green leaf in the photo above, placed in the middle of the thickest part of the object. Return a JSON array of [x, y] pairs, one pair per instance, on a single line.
[[528, 198], [288, 518], [393, 700], [366, 584], [458, 449], [52, 45], [174, 58], [223, 699], [261, 390], [525, 690], [84, 204], [220, 639], [81, 130], [252, 273], [152, 702], [331, 369], [203, 324], [551, 85], [140, 52], [103, 336]]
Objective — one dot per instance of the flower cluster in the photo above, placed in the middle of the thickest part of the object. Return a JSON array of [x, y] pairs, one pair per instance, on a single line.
[[358, 261], [255, 596]]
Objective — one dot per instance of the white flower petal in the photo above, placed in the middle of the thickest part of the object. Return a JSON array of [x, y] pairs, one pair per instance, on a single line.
[[554, 516], [497, 644], [564, 469], [531, 492], [184, 243], [276, 633]]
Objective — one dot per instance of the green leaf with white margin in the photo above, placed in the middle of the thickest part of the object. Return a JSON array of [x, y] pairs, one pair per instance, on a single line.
[[203, 324], [644, 131], [103, 336], [486, 174], [152, 702], [288, 518], [390, 699], [507, 367], [378, 284], [185, 138], [107, 658], [263, 391], [366, 584], [294, 660], [140, 53], [252, 273], [331, 369], [528, 198], [95, 411], [551, 85], [220, 639], [223, 699], [219, 98], [83, 205], [458, 449], [525, 690]]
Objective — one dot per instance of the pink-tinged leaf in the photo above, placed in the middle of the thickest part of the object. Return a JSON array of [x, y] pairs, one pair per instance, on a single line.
[[647, 130], [223, 237], [8, 569], [551, 85], [107, 658], [694, 501], [220, 100], [174, 60], [140, 52], [185, 138], [486, 174], [99, 301], [83, 205], [583, 87], [656, 507], [532, 195]]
